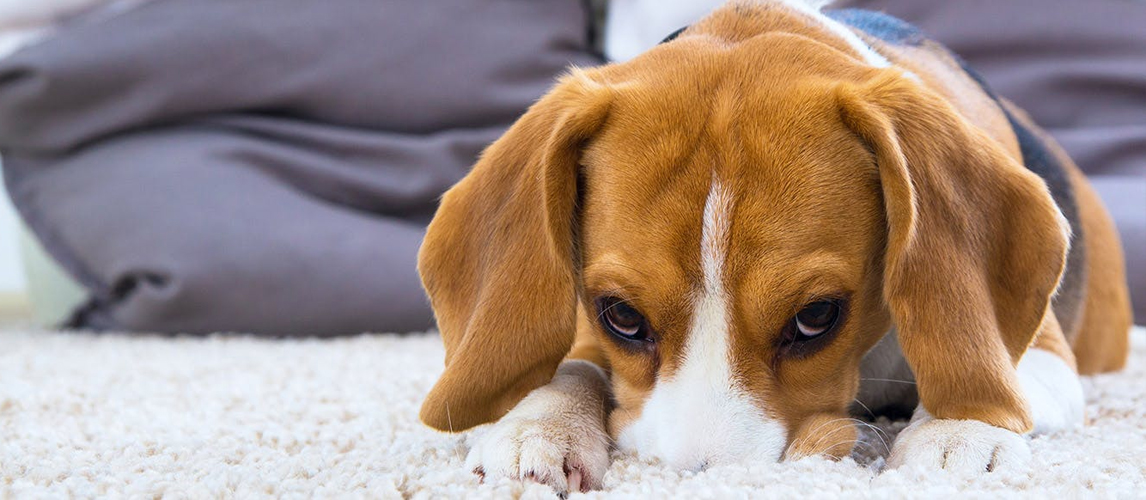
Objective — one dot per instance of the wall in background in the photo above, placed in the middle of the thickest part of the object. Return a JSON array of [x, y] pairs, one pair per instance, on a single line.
[[32, 285], [12, 280]]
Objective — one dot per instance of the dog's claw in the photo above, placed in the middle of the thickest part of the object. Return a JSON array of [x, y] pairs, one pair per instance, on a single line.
[[555, 436], [545, 450], [574, 479], [961, 446]]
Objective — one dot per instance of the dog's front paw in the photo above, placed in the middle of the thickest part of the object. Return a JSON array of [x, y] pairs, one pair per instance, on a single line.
[[963, 446], [556, 436]]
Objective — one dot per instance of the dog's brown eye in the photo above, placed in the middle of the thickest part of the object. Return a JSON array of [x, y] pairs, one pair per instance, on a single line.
[[622, 320], [816, 318]]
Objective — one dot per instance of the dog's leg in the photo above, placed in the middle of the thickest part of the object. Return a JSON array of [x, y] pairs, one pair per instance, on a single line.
[[555, 436], [1053, 392], [1049, 377]]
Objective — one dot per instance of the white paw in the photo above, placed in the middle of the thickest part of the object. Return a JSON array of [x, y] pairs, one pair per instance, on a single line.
[[554, 436], [962, 446], [1053, 391]]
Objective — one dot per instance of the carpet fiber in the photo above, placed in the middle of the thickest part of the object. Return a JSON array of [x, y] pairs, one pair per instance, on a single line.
[[145, 416]]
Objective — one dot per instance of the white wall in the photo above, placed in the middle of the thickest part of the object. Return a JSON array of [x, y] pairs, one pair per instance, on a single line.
[[12, 279]]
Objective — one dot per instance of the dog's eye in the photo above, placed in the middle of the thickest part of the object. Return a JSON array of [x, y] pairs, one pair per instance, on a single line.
[[622, 320], [816, 319]]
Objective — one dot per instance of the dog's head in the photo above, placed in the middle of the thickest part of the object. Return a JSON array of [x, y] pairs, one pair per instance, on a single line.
[[740, 218]]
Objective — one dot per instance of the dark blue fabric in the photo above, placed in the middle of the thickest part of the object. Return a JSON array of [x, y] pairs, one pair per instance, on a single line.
[[887, 28], [877, 24]]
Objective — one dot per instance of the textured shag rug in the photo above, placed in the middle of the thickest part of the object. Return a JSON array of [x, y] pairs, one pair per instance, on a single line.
[[236, 417]]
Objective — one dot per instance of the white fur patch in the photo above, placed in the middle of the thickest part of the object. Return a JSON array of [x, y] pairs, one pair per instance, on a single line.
[[555, 436], [812, 9], [634, 26], [702, 416], [1053, 391], [960, 446], [714, 238], [1054, 395]]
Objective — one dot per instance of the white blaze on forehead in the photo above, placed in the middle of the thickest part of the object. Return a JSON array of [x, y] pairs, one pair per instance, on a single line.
[[812, 10], [714, 237], [702, 415]]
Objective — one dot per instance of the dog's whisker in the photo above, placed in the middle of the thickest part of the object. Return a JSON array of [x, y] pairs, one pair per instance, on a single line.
[[807, 435], [868, 410], [450, 422], [812, 432], [888, 380], [615, 304], [851, 443], [879, 433], [824, 436], [819, 450], [631, 268], [819, 438]]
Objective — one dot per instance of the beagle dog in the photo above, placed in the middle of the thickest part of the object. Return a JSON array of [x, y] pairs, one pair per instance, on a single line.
[[720, 249]]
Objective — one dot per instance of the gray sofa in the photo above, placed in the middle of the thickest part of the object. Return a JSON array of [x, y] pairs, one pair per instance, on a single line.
[[268, 166]]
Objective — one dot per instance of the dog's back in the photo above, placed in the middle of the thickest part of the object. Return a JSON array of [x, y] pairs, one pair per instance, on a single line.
[[1093, 302]]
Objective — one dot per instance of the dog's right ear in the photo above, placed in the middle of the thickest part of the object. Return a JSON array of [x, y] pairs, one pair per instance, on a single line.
[[498, 260], [975, 248]]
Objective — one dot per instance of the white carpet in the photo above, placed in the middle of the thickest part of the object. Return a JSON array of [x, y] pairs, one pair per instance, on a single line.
[[141, 416]]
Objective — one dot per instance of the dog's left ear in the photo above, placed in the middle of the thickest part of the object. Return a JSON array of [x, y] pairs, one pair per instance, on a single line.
[[975, 248], [499, 260]]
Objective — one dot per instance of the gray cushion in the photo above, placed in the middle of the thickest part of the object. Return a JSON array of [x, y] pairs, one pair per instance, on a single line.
[[265, 166]]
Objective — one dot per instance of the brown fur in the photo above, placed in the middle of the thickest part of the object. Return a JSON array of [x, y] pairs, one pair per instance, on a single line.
[[1099, 340], [497, 262], [1101, 343], [848, 180]]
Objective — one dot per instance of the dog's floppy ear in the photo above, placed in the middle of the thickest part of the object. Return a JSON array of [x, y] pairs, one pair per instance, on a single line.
[[498, 260], [975, 248]]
